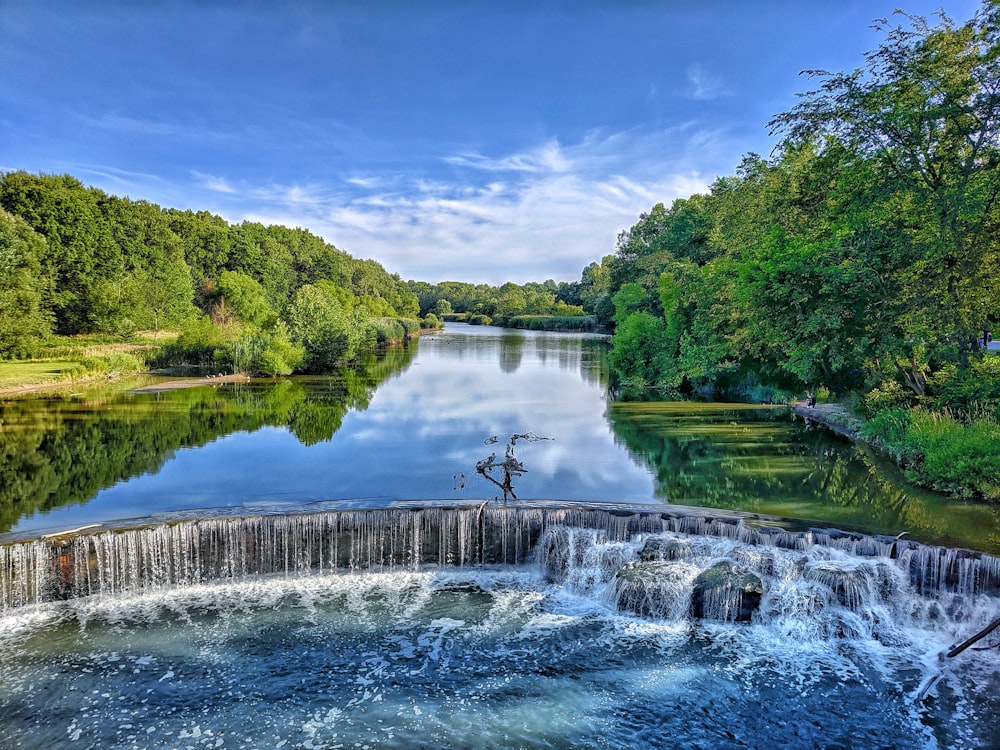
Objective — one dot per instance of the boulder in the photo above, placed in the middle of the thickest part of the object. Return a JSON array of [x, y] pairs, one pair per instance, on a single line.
[[725, 592]]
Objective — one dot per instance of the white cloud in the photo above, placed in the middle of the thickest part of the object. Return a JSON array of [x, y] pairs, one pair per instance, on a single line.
[[702, 85], [557, 209], [212, 182]]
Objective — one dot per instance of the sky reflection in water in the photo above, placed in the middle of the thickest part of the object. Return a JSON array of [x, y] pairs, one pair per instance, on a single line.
[[423, 426], [411, 426]]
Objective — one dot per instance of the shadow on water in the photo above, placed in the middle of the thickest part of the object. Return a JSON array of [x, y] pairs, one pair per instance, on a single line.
[[758, 459]]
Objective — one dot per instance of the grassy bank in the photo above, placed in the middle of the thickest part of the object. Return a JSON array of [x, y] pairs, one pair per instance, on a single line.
[[72, 359], [946, 451]]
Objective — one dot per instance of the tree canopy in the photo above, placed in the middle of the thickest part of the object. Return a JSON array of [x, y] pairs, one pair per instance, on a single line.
[[864, 251]]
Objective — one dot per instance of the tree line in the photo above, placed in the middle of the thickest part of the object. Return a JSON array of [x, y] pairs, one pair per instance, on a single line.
[[267, 299], [863, 255], [861, 259], [507, 304]]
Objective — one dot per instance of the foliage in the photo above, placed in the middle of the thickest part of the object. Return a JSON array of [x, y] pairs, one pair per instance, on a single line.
[[388, 330], [940, 451], [323, 321], [112, 365], [860, 258], [584, 323], [23, 320], [76, 260]]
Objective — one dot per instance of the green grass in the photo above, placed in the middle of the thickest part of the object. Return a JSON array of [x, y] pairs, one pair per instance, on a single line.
[[17, 374]]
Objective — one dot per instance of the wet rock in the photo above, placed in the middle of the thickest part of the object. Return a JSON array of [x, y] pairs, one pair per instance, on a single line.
[[664, 548], [856, 587], [724, 592], [653, 589]]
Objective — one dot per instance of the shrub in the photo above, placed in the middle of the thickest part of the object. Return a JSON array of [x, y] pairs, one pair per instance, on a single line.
[[887, 395], [116, 363], [479, 320], [975, 388], [410, 326], [388, 330], [888, 430], [964, 459]]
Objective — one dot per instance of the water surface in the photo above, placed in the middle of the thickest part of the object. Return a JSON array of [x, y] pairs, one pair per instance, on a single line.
[[411, 425]]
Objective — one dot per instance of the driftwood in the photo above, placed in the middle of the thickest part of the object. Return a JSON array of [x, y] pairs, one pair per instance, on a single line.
[[925, 688], [509, 467], [978, 636]]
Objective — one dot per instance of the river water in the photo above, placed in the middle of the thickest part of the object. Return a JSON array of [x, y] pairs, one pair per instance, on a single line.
[[412, 424], [347, 607]]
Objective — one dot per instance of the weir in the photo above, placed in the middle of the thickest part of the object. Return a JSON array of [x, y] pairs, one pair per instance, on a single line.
[[154, 556]]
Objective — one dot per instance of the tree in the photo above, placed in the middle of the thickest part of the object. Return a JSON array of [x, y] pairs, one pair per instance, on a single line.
[[330, 330], [241, 296], [925, 108], [22, 317], [82, 261]]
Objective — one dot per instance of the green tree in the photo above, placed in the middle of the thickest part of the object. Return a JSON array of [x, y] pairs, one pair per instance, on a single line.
[[23, 320], [81, 261], [925, 108], [330, 331], [243, 297]]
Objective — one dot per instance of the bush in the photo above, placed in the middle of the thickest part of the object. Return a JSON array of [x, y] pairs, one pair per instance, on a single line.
[[940, 452], [116, 363], [888, 395], [977, 388], [964, 459], [388, 330], [479, 320], [888, 430], [261, 353], [196, 345], [554, 322], [411, 326]]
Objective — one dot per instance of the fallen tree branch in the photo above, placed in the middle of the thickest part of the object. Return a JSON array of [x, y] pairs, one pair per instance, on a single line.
[[977, 637]]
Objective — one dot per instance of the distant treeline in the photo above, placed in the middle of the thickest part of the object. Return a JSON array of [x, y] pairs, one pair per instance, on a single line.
[[256, 298], [524, 305]]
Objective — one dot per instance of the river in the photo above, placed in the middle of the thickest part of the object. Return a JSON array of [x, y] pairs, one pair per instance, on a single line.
[[317, 563], [412, 425]]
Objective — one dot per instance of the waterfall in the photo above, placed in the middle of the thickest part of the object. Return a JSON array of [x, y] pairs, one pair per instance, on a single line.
[[585, 544]]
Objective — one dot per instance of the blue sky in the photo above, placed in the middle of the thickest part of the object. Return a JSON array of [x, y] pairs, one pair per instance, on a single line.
[[464, 140]]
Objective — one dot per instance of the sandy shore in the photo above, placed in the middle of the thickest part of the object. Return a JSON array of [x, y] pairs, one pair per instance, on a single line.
[[173, 385]]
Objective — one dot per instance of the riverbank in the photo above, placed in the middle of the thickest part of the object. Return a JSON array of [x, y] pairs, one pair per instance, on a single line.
[[173, 385], [932, 448], [833, 416]]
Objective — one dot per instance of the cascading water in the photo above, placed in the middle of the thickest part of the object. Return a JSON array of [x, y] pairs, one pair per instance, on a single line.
[[492, 627]]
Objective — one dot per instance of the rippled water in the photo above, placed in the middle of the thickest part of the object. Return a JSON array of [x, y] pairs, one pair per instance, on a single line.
[[531, 656]]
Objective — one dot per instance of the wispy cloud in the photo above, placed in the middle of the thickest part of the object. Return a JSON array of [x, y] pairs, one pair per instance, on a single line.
[[702, 85], [117, 123], [122, 177], [548, 157], [212, 182], [558, 208]]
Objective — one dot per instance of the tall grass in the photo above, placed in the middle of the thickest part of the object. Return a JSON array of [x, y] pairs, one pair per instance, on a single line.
[[943, 450]]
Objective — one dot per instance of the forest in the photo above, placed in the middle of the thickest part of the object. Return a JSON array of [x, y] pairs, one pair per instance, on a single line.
[[859, 261], [246, 297]]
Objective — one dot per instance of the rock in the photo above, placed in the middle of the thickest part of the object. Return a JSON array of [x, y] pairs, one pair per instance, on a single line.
[[653, 589], [664, 548], [724, 592]]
